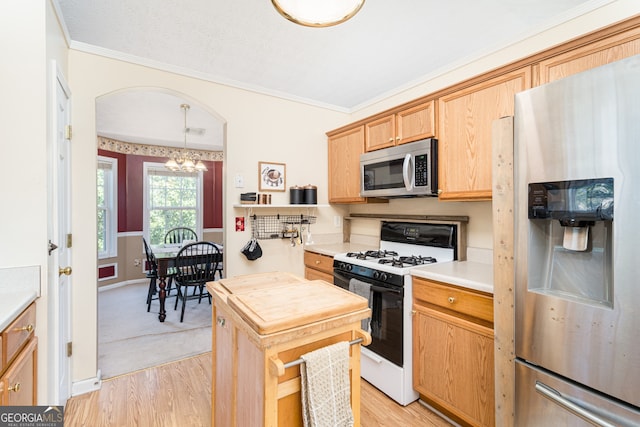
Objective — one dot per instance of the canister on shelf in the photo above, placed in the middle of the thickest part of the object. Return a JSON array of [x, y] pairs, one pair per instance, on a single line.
[[296, 195], [310, 194]]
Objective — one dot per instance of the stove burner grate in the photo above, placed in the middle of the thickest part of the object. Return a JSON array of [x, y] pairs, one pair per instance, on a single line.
[[372, 254], [408, 260]]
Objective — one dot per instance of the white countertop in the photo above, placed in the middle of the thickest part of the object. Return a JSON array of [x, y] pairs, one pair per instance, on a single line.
[[12, 304], [468, 274], [19, 287]]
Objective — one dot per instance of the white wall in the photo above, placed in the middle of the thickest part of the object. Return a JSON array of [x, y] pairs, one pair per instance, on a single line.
[[30, 39], [259, 128]]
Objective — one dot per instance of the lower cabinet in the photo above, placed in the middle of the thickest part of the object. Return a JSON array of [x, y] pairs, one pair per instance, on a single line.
[[318, 267], [453, 351], [18, 377], [19, 381]]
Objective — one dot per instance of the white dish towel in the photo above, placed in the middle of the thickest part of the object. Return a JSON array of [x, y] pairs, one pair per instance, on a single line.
[[326, 392]]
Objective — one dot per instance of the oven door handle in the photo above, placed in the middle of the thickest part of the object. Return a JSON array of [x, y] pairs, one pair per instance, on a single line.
[[382, 289], [407, 172]]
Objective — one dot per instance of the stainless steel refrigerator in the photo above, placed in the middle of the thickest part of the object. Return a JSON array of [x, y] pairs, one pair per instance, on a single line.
[[577, 249]]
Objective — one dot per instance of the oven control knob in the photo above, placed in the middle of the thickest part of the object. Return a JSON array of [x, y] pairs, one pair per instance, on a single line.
[[380, 275], [345, 266]]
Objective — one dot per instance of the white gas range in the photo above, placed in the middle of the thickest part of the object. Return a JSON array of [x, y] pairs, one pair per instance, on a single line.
[[383, 277]]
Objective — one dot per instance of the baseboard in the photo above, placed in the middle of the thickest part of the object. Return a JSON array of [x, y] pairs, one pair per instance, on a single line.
[[87, 386], [119, 284]]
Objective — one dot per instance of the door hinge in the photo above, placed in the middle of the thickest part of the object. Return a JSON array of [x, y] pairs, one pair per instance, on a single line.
[[68, 132], [69, 240], [69, 349]]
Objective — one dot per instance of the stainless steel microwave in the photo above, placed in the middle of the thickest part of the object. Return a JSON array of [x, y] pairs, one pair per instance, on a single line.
[[406, 170]]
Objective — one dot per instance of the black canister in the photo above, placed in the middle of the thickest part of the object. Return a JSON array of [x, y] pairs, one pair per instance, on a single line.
[[296, 195], [310, 194]]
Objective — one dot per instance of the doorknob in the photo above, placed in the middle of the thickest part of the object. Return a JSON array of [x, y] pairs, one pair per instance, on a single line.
[[66, 271]]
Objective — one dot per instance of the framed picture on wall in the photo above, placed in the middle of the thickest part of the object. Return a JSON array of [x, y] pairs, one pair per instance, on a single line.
[[272, 176]]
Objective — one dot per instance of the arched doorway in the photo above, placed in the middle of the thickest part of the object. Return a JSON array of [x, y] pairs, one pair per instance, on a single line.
[[138, 127]]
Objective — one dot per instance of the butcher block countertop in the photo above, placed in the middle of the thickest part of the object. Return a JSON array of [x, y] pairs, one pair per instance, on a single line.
[[277, 306]]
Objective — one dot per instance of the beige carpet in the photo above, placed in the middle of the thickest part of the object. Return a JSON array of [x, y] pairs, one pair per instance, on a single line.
[[130, 339]]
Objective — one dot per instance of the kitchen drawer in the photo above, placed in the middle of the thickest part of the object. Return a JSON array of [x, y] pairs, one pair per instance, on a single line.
[[319, 262], [312, 274], [19, 382], [459, 300], [18, 333]]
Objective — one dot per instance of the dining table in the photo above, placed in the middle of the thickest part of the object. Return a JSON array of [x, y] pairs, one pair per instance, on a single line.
[[166, 257]]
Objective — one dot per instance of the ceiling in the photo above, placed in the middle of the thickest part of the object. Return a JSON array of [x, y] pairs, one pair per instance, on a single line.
[[388, 46]]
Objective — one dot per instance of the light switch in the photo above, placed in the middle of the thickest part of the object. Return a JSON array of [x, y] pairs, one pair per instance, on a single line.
[[239, 181]]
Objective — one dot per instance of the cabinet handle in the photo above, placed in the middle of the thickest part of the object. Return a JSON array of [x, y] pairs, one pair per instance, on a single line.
[[221, 321], [317, 262], [391, 139], [15, 387], [397, 138], [27, 328], [413, 312], [451, 300]]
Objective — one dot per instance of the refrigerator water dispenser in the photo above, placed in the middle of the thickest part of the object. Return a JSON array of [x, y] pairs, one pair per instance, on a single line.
[[570, 239]]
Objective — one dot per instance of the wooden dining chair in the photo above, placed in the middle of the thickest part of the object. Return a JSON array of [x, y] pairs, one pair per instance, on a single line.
[[152, 275], [178, 234], [196, 264]]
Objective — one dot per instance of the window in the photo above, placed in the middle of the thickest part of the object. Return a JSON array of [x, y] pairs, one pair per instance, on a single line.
[[107, 183], [172, 199]]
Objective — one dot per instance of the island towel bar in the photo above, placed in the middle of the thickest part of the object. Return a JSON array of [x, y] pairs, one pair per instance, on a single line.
[[277, 367], [300, 360]]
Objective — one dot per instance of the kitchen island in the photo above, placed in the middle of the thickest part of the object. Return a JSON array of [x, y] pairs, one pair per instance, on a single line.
[[263, 323]]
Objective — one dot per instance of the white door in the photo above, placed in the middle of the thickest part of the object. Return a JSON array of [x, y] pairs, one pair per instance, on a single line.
[[59, 232]]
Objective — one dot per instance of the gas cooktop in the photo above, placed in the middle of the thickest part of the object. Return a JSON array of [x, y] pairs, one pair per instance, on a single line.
[[404, 246]]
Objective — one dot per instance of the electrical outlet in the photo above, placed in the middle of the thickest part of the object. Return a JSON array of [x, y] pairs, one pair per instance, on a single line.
[[337, 221], [239, 181], [137, 262]]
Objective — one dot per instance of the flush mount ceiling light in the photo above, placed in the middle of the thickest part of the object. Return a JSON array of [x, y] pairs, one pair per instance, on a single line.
[[185, 161], [317, 13]]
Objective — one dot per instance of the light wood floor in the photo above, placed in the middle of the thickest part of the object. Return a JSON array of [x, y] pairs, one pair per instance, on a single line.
[[179, 394]]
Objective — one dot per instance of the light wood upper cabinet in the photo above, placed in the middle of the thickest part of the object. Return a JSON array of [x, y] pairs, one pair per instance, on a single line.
[[344, 166], [408, 125], [593, 55], [464, 140]]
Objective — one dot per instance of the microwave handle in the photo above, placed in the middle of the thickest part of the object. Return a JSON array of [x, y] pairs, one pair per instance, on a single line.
[[407, 172]]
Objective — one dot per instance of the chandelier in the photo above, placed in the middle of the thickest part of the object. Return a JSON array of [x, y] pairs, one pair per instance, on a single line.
[[185, 161], [317, 13]]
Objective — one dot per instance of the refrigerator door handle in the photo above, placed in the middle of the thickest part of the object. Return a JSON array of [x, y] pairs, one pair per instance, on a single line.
[[571, 406]]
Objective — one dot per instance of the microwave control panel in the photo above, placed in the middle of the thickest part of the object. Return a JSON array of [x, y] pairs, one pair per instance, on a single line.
[[421, 171]]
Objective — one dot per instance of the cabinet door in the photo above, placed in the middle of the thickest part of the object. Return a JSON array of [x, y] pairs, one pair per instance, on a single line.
[[453, 365], [380, 133], [416, 123], [464, 143], [593, 55], [344, 166], [19, 382]]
